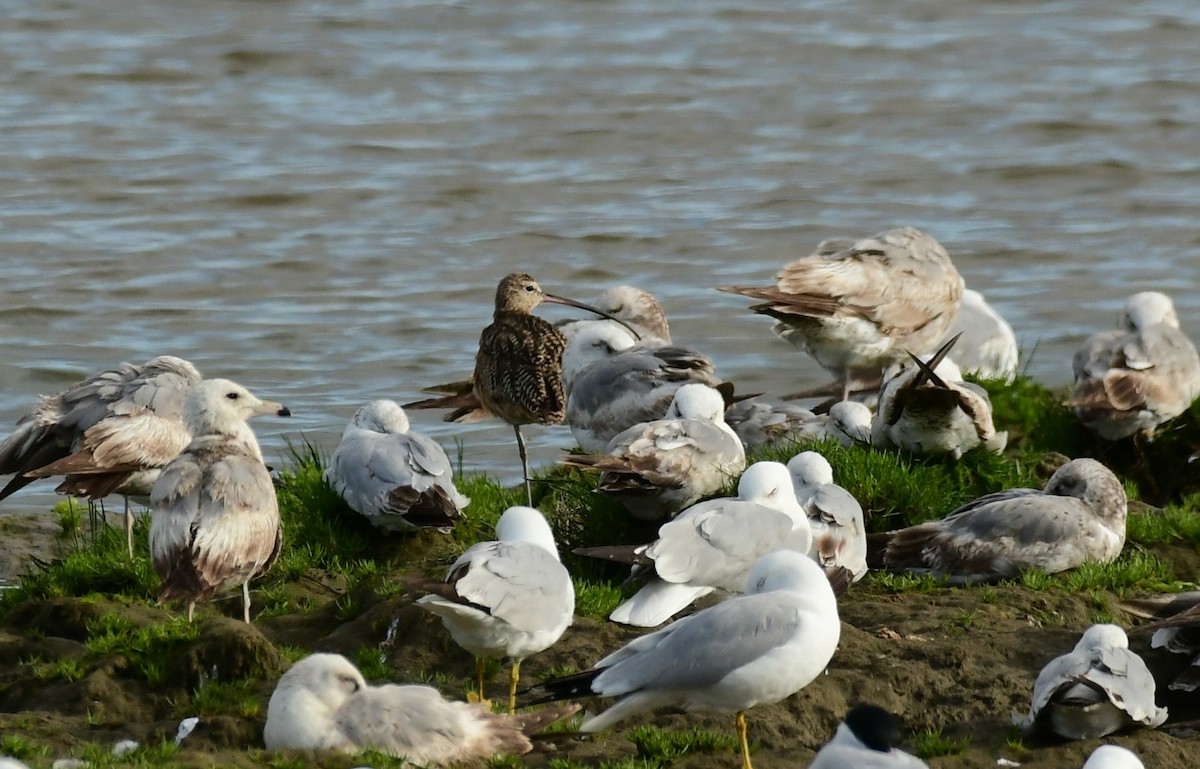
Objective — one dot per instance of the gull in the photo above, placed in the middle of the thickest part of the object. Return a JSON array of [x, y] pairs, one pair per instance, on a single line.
[[1096, 689], [848, 423], [658, 468], [758, 423], [215, 518], [613, 382], [112, 432], [748, 650], [1176, 629], [635, 308], [868, 738], [397, 479], [323, 702], [1134, 378], [989, 346], [511, 597], [857, 305], [712, 545], [928, 409], [1113, 757], [1079, 516], [834, 515]]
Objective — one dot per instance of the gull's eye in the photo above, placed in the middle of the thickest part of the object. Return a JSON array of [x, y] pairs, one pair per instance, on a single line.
[[231, 396]]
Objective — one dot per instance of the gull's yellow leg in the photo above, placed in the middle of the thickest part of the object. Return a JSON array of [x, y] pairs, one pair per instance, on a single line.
[[513, 678], [745, 743]]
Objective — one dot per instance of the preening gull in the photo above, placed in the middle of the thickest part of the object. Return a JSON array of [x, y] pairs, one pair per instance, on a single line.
[[848, 423], [868, 738], [215, 518], [112, 432], [637, 308], [1096, 689], [658, 468], [835, 516], [749, 650], [507, 598], [857, 305], [1113, 757], [926, 408], [1134, 378], [988, 346], [397, 479], [323, 702], [613, 382], [1079, 516], [758, 423], [711, 545], [1176, 629]]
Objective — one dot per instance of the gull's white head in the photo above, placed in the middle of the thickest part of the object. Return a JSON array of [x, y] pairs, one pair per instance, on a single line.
[[767, 483], [380, 416], [221, 407], [1147, 308], [851, 416], [637, 307], [306, 698], [594, 341], [697, 401], [787, 570], [808, 468], [524, 524], [1113, 757], [1100, 636]]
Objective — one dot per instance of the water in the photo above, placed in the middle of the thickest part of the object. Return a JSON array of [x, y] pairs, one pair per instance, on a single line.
[[317, 199]]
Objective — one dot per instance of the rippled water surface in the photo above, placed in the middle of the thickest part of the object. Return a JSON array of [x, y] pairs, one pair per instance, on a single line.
[[317, 199]]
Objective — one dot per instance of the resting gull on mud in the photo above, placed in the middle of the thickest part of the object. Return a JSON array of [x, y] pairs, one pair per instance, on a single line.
[[868, 738], [215, 518], [397, 479], [511, 597], [1113, 757], [711, 545], [835, 516], [323, 702], [1079, 516], [749, 650], [1098, 688]]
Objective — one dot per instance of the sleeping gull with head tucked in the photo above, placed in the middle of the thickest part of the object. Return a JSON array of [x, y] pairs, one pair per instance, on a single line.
[[636, 307], [215, 518], [712, 545], [749, 650], [868, 738], [1113, 757], [658, 468], [835, 516], [857, 305], [1079, 516], [112, 432], [511, 597], [1098, 688], [1134, 378], [397, 479], [323, 702]]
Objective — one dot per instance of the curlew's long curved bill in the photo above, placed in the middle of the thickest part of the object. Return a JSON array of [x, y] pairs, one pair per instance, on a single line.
[[554, 299]]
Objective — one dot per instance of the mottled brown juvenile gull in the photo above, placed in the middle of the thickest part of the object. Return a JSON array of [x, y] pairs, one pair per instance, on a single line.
[[857, 305], [987, 345], [926, 408], [712, 545], [510, 598], [658, 468], [1134, 378], [1098, 688], [215, 518], [639, 310], [868, 738], [1176, 629], [112, 432], [1078, 517], [324, 703], [834, 515], [613, 382], [749, 650], [399, 480]]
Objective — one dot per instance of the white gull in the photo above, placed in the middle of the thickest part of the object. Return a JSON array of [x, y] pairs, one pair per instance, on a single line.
[[835, 516], [988, 346], [868, 738]]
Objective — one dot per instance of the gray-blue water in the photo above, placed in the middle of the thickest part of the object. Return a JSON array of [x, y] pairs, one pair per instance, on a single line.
[[317, 198]]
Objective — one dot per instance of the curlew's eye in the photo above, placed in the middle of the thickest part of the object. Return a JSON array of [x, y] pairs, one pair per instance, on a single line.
[[231, 396], [529, 287]]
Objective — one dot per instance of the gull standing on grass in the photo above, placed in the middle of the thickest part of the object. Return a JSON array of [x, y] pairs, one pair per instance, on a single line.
[[712, 545], [753, 649], [868, 738], [1098, 688], [398, 479], [323, 702], [1079, 516], [215, 518], [507, 598], [988, 346], [835, 516], [112, 432], [857, 305], [658, 468], [1134, 378]]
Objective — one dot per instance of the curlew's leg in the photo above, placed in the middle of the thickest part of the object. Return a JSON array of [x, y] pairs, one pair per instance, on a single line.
[[524, 464], [246, 601], [513, 678], [129, 527], [742, 739]]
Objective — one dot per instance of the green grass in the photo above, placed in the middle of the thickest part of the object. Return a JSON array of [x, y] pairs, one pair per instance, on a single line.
[[931, 743], [215, 698], [596, 599], [665, 745], [16, 746]]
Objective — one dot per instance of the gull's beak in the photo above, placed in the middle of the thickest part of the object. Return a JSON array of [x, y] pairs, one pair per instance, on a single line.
[[271, 407], [572, 303]]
